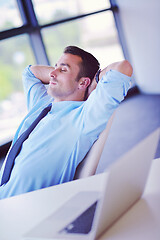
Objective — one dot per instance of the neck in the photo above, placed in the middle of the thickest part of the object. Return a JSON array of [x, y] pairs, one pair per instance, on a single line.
[[77, 98]]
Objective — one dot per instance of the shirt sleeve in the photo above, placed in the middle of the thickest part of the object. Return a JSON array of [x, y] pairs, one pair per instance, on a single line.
[[102, 102], [34, 89]]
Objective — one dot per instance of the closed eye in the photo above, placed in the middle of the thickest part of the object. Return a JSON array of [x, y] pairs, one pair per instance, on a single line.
[[63, 70]]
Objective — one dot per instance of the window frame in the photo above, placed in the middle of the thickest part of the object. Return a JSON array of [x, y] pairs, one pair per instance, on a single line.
[[32, 27]]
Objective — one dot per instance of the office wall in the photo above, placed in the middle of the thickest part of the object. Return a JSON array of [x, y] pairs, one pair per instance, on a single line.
[[140, 22]]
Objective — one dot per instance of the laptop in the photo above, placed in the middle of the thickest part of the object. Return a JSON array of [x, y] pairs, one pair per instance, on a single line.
[[88, 214]]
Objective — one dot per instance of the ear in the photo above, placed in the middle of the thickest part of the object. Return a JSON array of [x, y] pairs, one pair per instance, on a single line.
[[84, 82]]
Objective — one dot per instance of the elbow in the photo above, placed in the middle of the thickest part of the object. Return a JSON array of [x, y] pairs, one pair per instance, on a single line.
[[125, 67]]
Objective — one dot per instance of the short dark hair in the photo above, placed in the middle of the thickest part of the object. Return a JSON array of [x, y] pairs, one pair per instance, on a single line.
[[89, 65]]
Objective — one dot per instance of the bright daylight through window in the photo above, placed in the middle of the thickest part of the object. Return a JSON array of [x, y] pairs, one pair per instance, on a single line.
[[95, 33]]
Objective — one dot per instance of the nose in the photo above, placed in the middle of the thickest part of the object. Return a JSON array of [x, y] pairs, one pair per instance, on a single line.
[[53, 73]]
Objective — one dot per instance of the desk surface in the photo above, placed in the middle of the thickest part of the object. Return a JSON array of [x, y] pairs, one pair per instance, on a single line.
[[19, 214]]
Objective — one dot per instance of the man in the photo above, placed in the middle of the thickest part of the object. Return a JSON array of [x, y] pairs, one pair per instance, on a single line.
[[60, 141]]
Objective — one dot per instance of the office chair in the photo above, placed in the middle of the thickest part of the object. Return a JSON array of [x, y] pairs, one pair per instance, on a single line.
[[89, 164]]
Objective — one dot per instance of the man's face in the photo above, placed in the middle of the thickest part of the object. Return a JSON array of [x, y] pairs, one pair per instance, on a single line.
[[63, 85]]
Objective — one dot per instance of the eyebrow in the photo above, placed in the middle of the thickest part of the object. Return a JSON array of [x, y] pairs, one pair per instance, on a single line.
[[64, 64]]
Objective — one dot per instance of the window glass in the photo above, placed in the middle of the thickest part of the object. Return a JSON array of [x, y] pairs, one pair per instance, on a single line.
[[15, 56], [53, 10], [96, 34], [9, 14]]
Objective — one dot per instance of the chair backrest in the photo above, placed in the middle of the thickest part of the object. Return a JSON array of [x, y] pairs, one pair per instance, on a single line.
[[89, 164]]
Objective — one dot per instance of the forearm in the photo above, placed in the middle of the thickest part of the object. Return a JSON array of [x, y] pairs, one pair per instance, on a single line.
[[42, 72], [122, 67]]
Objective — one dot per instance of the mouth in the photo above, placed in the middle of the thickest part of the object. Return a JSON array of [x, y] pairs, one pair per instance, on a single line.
[[52, 82]]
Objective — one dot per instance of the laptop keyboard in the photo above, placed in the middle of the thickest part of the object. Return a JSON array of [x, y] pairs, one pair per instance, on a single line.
[[83, 223]]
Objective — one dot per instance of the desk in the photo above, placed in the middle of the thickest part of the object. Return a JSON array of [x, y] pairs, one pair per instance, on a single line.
[[19, 214]]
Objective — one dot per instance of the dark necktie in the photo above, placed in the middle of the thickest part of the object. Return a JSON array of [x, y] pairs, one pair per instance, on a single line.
[[16, 148]]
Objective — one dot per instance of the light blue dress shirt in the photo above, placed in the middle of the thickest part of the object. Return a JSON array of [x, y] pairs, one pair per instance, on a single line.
[[61, 140]]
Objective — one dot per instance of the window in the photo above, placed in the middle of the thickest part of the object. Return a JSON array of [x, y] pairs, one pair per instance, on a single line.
[[16, 54], [96, 34], [10, 16], [36, 31], [49, 10]]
